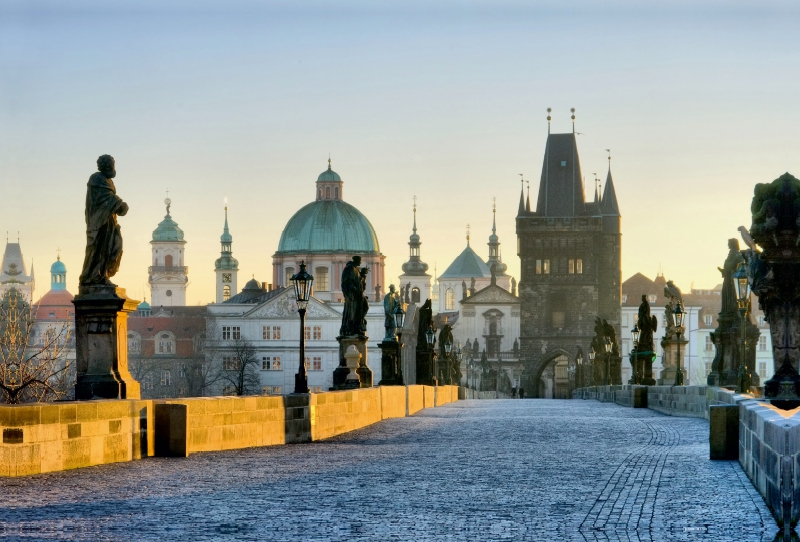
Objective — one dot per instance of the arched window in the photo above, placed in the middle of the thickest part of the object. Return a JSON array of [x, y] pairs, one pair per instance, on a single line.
[[289, 274], [165, 344], [415, 295], [168, 260], [321, 282], [328, 192], [449, 300], [134, 343], [336, 192], [320, 193], [226, 292]]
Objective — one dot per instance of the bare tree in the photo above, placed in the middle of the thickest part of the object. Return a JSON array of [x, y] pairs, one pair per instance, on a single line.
[[200, 372], [32, 369], [239, 368]]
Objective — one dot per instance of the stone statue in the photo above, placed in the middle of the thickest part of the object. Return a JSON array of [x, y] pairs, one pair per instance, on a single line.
[[463, 290], [513, 286], [673, 294], [472, 287], [476, 349], [728, 288], [377, 292], [468, 349], [611, 332], [103, 237], [390, 304], [354, 279], [515, 348], [647, 325], [407, 297]]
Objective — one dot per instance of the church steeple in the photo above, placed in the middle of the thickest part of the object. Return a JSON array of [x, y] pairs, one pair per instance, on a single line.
[[415, 282], [494, 246], [609, 207], [226, 266], [414, 266]]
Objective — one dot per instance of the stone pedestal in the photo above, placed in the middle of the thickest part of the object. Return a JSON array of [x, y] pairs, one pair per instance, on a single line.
[[391, 369], [364, 373], [352, 357], [101, 344], [670, 361]]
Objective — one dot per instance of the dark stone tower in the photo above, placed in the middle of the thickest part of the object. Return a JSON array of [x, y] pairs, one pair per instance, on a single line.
[[570, 252]]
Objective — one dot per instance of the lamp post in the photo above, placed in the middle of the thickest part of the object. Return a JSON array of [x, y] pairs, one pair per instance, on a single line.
[[592, 354], [637, 375], [579, 360], [448, 347], [679, 316], [743, 303], [608, 346], [399, 319], [430, 336], [302, 290]]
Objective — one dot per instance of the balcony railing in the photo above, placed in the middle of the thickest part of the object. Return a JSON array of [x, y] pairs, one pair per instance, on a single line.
[[161, 269]]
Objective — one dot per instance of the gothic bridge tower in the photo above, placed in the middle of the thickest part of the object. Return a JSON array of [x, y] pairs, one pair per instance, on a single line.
[[570, 252]]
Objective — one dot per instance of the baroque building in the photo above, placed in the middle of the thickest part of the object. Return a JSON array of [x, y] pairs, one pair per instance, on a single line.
[[570, 252], [168, 276], [326, 234]]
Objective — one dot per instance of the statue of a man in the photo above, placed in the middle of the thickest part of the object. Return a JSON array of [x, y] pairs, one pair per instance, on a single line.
[[390, 304], [354, 279], [647, 325], [103, 237]]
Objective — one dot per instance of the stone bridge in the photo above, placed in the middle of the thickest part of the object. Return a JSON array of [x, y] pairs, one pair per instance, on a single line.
[[470, 470]]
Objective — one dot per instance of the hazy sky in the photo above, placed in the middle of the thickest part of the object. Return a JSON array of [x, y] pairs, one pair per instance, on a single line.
[[446, 101]]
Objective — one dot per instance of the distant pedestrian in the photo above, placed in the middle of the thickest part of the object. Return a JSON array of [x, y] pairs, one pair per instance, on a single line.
[[513, 393], [522, 393]]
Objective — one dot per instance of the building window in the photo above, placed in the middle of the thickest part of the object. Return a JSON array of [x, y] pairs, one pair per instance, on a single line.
[[147, 382], [226, 292], [308, 364], [449, 300], [546, 267], [316, 363], [230, 363], [579, 267], [271, 363], [761, 321], [236, 332], [166, 378], [571, 267], [276, 332], [762, 343], [265, 333], [708, 319], [652, 298], [266, 390], [166, 344], [316, 389], [624, 298], [321, 283], [327, 192], [133, 343], [168, 260], [276, 390], [538, 267], [708, 368], [228, 390], [289, 274], [226, 333], [317, 333], [762, 369], [307, 333], [182, 370], [336, 192], [415, 295], [709, 343]]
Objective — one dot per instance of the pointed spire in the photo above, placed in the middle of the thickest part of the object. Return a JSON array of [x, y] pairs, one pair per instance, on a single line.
[[549, 118], [521, 195], [528, 202], [414, 265], [415, 215], [494, 216], [495, 261], [609, 203], [572, 110]]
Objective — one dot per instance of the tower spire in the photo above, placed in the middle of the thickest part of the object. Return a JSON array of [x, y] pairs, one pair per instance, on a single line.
[[572, 110], [521, 195], [528, 203], [415, 215], [549, 118], [467, 234]]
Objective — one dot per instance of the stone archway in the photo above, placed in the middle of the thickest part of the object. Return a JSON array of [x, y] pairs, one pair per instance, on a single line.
[[550, 376]]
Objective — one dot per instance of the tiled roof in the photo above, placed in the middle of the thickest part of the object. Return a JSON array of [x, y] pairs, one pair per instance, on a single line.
[[467, 265], [561, 184]]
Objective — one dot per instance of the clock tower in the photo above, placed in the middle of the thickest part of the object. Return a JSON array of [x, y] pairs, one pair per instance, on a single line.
[[226, 266]]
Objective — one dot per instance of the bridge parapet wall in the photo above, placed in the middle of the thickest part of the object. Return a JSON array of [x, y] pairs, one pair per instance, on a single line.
[[53, 437]]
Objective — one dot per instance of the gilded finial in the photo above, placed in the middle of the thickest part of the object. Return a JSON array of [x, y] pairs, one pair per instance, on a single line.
[[572, 110], [609, 155], [329, 161], [467, 234], [494, 205], [58, 251]]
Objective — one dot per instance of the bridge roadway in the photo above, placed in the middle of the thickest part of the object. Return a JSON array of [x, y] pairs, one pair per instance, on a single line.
[[474, 470]]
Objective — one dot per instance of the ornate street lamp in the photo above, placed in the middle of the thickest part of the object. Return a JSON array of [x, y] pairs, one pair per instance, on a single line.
[[302, 291], [743, 303], [637, 378], [579, 361], [608, 346], [448, 347], [679, 315], [592, 354], [430, 336]]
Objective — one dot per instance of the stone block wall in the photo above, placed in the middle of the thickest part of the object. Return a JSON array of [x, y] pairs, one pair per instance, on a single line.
[[415, 398], [61, 436], [336, 412], [428, 397], [393, 402]]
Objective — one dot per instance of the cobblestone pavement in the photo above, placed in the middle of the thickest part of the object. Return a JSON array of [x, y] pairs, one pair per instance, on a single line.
[[473, 470]]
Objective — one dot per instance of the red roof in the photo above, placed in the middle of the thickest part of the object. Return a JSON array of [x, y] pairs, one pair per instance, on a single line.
[[55, 304]]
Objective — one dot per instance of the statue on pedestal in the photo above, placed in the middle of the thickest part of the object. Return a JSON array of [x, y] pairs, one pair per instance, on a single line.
[[390, 304], [354, 314], [103, 236], [644, 350]]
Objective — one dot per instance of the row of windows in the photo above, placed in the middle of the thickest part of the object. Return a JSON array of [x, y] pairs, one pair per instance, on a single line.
[[231, 333], [762, 343], [166, 380], [565, 267], [271, 363]]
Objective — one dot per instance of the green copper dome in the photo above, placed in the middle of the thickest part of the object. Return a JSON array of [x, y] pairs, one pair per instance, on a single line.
[[168, 230], [326, 226]]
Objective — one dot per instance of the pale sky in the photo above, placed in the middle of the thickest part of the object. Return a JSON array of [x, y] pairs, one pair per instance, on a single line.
[[442, 100]]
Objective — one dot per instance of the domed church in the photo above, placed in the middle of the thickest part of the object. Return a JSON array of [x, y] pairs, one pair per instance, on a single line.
[[326, 234]]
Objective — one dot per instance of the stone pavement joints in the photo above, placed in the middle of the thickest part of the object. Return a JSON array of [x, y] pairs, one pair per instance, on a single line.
[[473, 470]]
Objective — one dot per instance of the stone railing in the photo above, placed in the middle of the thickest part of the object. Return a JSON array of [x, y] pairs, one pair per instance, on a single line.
[[61, 436]]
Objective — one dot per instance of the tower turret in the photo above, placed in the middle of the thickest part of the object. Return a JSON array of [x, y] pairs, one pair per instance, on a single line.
[[415, 282], [226, 266], [168, 276], [58, 275]]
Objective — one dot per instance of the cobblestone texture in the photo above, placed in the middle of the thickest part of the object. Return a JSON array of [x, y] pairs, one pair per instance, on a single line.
[[473, 470]]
